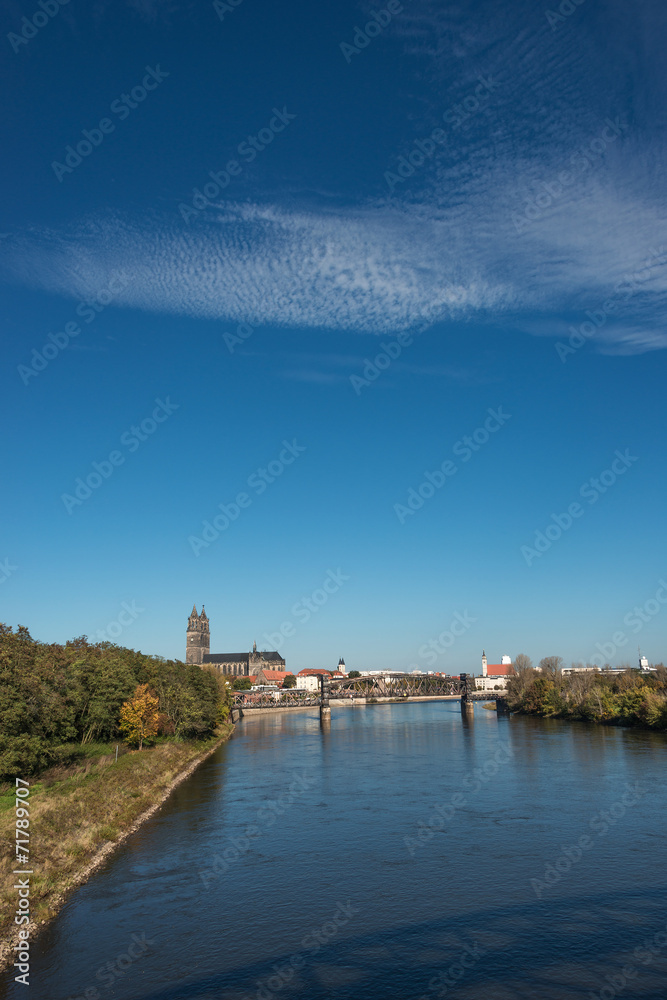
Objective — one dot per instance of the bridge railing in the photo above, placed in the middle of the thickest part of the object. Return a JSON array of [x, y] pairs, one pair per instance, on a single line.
[[401, 686], [363, 688], [285, 699]]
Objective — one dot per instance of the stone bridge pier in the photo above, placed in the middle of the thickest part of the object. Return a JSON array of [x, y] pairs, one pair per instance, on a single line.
[[325, 707], [467, 688]]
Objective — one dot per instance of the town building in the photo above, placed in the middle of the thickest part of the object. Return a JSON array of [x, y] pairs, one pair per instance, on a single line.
[[308, 679], [495, 675], [308, 682], [268, 677], [198, 644]]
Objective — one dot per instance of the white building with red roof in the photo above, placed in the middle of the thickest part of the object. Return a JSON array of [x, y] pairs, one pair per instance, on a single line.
[[495, 674], [308, 679]]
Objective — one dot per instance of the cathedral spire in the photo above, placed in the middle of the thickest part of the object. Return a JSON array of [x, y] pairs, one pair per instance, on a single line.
[[198, 639]]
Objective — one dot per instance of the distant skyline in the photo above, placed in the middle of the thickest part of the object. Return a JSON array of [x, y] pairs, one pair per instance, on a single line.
[[369, 293]]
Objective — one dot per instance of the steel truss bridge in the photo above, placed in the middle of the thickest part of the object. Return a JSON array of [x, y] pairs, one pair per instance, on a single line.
[[394, 686]]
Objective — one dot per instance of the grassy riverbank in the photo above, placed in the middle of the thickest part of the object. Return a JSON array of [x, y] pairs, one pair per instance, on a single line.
[[79, 814]]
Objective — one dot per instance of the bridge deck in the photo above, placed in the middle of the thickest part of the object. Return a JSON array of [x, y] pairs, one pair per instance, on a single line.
[[368, 693]]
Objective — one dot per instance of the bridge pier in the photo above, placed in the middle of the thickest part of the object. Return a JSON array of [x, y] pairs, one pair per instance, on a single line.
[[325, 708], [467, 704]]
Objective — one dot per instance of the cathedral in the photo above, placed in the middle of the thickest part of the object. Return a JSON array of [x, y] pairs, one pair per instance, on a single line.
[[237, 664]]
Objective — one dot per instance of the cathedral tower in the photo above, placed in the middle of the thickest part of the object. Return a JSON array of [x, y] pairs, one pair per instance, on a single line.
[[198, 637]]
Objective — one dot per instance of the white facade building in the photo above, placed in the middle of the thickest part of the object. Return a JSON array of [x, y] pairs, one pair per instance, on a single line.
[[310, 683]]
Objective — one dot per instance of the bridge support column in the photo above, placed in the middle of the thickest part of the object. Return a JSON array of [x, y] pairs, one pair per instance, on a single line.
[[325, 708], [467, 704]]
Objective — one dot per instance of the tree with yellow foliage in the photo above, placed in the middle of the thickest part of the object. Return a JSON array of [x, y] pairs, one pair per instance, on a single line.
[[139, 717]]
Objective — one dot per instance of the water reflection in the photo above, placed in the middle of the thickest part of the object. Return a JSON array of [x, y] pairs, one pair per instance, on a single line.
[[434, 828]]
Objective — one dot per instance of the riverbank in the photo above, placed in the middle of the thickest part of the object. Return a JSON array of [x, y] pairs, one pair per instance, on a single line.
[[76, 822], [626, 699]]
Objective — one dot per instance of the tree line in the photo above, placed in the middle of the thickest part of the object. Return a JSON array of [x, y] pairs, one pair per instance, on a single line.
[[57, 699], [626, 697]]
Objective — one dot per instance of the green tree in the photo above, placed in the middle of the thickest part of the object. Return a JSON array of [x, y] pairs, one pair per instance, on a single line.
[[104, 681], [290, 681], [354, 673]]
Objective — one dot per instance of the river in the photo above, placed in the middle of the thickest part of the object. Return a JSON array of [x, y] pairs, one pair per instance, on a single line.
[[401, 853]]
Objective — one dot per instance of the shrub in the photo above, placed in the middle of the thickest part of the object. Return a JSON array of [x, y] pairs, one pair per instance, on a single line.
[[22, 756]]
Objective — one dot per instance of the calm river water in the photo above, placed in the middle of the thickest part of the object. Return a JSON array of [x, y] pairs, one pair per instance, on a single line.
[[401, 853]]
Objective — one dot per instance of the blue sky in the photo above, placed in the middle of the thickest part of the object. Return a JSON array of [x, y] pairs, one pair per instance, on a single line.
[[257, 203]]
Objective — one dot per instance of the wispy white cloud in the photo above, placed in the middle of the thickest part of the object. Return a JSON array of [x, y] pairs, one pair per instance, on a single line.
[[623, 342], [457, 239], [375, 269], [363, 270]]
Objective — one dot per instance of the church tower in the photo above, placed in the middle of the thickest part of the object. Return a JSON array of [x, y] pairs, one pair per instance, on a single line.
[[198, 641], [484, 664]]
